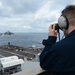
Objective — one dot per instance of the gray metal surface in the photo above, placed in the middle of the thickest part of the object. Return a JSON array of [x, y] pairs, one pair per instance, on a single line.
[[30, 68]]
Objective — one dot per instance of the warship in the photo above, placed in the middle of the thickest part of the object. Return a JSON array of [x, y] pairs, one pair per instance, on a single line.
[[18, 57]]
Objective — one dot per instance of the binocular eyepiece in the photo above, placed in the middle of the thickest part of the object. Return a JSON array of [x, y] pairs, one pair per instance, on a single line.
[[57, 27]]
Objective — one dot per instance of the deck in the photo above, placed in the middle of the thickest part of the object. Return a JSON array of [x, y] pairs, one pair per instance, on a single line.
[[30, 68]]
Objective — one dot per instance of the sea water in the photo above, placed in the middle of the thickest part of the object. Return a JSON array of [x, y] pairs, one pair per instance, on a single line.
[[24, 39]]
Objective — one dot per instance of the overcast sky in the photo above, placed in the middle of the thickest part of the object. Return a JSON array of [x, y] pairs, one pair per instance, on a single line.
[[30, 15]]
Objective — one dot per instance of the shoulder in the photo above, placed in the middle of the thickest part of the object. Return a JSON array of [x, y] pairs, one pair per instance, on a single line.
[[60, 45]]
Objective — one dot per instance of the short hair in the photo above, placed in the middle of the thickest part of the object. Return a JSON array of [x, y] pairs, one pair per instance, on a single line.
[[69, 12]]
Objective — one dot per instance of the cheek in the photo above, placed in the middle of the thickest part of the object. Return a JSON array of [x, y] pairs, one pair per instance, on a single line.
[[65, 33]]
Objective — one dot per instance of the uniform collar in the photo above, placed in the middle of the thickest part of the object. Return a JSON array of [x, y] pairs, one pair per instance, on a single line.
[[71, 33]]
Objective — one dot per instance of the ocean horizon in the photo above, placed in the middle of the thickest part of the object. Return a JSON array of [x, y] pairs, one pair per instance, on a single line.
[[24, 39]]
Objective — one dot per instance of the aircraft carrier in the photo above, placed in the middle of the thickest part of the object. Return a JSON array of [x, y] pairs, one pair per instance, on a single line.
[[22, 53]]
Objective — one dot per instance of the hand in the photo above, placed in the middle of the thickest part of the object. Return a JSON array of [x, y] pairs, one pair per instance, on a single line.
[[52, 31]]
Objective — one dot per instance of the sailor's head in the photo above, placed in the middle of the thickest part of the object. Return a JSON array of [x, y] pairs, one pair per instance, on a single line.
[[67, 19]]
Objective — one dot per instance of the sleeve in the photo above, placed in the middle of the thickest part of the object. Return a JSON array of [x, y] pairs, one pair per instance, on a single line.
[[48, 55]]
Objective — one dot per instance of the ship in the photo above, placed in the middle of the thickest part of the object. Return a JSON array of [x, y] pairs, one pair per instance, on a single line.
[[8, 33]]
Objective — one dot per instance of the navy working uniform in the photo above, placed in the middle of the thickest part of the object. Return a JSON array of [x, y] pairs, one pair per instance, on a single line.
[[59, 56]]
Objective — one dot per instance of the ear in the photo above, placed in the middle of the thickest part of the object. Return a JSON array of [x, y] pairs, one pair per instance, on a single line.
[[63, 22]]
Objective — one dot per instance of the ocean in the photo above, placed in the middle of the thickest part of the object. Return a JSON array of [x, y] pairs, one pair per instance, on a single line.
[[24, 39]]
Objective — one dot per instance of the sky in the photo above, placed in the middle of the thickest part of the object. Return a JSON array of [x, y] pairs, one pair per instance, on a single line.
[[30, 16]]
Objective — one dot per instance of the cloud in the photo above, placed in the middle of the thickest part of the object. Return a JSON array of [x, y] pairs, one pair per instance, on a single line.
[[30, 15], [22, 6]]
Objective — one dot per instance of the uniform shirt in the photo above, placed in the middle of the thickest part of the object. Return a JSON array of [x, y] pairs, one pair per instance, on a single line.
[[59, 56]]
